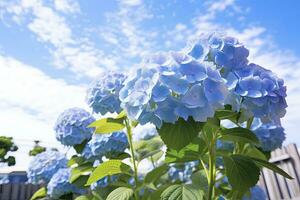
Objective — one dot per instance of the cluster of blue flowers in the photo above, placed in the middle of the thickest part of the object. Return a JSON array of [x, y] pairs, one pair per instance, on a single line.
[[44, 165], [72, 126], [173, 85], [103, 95], [108, 145], [59, 184], [256, 193], [182, 173], [270, 136], [144, 132], [256, 90]]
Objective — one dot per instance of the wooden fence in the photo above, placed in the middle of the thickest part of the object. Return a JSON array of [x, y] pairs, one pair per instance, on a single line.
[[277, 187], [16, 191]]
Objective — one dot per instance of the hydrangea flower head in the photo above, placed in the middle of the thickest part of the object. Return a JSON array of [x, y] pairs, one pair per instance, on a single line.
[[256, 193], [182, 173], [72, 126], [270, 136], [103, 95], [171, 86], [44, 165], [109, 145], [144, 132], [257, 91], [59, 184]]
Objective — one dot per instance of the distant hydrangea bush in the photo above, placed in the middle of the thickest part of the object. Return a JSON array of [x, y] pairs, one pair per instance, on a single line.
[[182, 172], [173, 85], [44, 165], [108, 145], [144, 132], [256, 193], [59, 184], [270, 136], [71, 126], [103, 95]]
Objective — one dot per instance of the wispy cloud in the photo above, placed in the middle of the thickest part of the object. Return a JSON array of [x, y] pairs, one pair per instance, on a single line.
[[51, 27]]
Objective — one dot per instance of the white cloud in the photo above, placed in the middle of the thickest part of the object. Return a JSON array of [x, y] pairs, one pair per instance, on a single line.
[[30, 102], [131, 2], [51, 28], [67, 6]]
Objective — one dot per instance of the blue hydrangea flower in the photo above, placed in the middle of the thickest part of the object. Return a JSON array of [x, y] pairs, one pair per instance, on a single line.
[[254, 90], [103, 95], [173, 85], [270, 136], [256, 193], [59, 184], [71, 126], [183, 172], [144, 132], [44, 165], [109, 145]]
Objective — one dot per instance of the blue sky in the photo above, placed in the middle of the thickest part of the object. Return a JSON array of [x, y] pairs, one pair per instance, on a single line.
[[50, 50]]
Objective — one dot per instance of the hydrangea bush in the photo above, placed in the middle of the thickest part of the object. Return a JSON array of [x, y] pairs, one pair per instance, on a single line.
[[204, 118]]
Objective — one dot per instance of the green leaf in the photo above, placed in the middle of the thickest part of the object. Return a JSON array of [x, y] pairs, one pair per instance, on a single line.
[[121, 193], [108, 168], [226, 114], [79, 147], [178, 135], [271, 166], [155, 174], [241, 171], [75, 160], [199, 179], [254, 152], [239, 134], [88, 197], [182, 192], [42, 192], [81, 170], [191, 152], [108, 125]]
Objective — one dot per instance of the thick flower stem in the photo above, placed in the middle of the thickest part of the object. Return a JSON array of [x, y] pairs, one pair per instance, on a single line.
[[212, 170], [129, 136]]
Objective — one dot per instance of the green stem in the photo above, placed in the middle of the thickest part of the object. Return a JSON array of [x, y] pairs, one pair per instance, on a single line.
[[212, 170], [129, 136]]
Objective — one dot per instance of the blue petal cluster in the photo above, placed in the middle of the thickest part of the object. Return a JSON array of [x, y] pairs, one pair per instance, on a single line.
[[256, 193], [173, 85], [104, 182], [254, 89], [103, 95], [109, 145], [144, 132], [71, 126], [59, 184], [270, 136], [44, 165], [183, 172]]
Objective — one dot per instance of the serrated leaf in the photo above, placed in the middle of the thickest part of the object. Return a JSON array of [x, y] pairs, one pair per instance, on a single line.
[[108, 125], [42, 192], [109, 168], [88, 197], [155, 174], [271, 166], [178, 135], [191, 152], [239, 134], [254, 153], [241, 171], [121, 193], [182, 192]]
